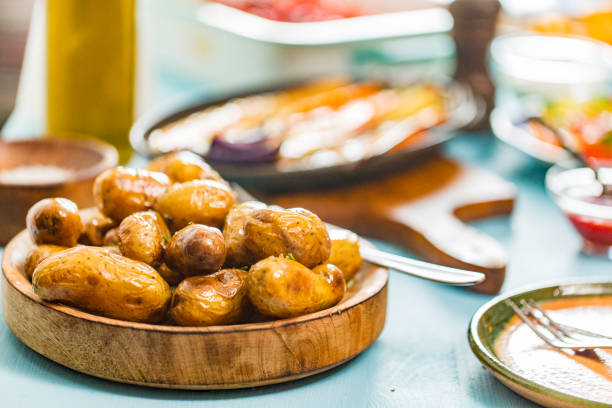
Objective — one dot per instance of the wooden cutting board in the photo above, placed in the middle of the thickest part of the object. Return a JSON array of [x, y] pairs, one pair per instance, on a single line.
[[423, 210]]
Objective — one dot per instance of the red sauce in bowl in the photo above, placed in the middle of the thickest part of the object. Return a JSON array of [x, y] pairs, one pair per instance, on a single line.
[[595, 230]]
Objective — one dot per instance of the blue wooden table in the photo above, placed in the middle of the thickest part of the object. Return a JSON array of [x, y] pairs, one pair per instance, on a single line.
[[422, 358]]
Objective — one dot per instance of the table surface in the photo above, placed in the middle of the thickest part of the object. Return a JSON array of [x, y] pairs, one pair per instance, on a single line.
[[422, 357]]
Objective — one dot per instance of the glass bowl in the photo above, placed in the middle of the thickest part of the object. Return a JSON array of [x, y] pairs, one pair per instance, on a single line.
[[550, 66], [578, 194]]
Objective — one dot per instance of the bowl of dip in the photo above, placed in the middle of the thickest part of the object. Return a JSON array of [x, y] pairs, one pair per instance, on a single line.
[[33, 169], [580, 195]]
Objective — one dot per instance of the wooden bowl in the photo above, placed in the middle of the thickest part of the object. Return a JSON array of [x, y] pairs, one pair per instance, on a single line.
[[85, 159], [218, 357]]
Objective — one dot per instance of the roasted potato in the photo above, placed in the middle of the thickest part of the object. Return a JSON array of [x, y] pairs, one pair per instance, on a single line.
[[198, 201], [171, 276], [143, 237], [122, 191], [95, 226], [296, 232], [281, 287], [345, 252], [220, 298], [196, 250], [113, 249], [235, 238], [98, 281], [54, 221], [38, 254], [111, 238], [184, 166]]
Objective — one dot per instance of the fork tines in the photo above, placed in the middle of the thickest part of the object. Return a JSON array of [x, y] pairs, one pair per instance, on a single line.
[[552, 332]]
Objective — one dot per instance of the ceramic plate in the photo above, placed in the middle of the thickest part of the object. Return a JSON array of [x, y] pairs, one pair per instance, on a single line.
[[494, 323], [505, 125]]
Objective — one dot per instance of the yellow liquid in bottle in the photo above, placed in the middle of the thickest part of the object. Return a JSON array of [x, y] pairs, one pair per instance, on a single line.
[[90, 69]]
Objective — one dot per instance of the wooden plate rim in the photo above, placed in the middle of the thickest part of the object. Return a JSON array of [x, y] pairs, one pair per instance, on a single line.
[[13, 276]]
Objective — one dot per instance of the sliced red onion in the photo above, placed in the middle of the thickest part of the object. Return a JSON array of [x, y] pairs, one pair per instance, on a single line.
[[248, 150]]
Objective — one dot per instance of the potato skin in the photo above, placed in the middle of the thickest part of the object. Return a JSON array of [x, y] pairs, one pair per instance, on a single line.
[[95, 226], [171, 276], [196, 250], [281, 287], [345, 254], [98, 281], [235, 239], [198, 201], [122, 191], [38, 254], [113, 249], [295, 231], [143, 237], [54, 221], [220, 298], [111, 238], [183, 166]]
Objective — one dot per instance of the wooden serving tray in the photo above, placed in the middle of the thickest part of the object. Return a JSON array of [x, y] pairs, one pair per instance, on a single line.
[[218, 357], [423, 209]]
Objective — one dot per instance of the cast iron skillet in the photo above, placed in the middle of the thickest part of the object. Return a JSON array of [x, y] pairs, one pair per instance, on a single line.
[[464, 108]]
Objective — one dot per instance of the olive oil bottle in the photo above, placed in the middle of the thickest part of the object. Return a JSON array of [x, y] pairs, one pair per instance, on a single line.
[[90, 69]]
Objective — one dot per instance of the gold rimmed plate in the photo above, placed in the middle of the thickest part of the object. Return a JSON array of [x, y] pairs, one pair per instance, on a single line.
[[525, 364]]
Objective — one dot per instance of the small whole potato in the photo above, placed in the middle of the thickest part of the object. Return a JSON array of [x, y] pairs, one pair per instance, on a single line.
[[171, 276], [220, 298], [345, 253], [296, 232], [54, 221], [183, 166], [111, 238], [196, 250], [98, 281], [281, 287], [122, 191], [38, 254], [198, 201], [95, 226], [143, 237], [235, 238]]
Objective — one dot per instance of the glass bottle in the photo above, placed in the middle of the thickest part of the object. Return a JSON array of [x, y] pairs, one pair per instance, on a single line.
[[90, 69]]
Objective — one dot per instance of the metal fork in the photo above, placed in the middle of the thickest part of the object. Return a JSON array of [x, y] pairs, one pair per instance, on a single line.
[[557, 334], [420, 269]]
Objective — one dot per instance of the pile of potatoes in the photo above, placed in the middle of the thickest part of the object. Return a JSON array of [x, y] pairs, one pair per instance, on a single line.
[[178, 223]]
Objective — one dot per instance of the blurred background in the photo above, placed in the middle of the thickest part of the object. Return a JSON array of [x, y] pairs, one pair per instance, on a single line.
[[192, 44], [14, 23]]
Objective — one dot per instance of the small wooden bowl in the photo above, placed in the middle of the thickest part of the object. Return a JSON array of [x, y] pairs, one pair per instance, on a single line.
[[218, 357], [85, 159]]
